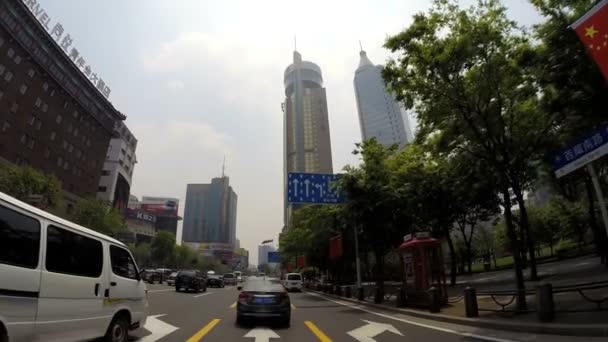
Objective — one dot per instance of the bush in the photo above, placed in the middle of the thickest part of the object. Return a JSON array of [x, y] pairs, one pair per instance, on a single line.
[[566, 248]]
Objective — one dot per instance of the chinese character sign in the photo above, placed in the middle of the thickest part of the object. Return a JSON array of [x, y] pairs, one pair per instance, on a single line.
[[313, 188], [587, 149]]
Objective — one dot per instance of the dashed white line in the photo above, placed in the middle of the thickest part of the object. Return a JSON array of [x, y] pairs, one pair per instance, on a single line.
[[204, 294], [151, 291]]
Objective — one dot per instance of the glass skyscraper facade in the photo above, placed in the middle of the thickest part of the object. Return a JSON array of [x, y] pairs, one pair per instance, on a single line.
[[380, 115]]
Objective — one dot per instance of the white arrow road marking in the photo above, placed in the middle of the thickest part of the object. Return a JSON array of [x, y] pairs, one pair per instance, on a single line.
[[367, 332], [261, 334], [158, 329]]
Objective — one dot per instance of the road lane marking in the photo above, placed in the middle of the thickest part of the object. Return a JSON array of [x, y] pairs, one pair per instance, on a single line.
[[233, 305], [428, 326], [204, 294], [317, 332], [150, 291], [157, 328], [204, 331], [293, 306]]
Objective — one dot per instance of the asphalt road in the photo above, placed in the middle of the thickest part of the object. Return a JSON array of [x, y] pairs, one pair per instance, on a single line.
[[211, 315]]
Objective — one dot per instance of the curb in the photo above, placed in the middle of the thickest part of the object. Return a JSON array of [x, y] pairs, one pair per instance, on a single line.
[[590, 330]]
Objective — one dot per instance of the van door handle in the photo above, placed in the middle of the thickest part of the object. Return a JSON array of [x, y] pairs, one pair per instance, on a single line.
[[96, 289], [113, 283]]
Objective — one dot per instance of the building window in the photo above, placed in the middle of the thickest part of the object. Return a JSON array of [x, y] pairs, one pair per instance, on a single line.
[[23, 89], [5, 126], [70, 148], [47, 153], [45, 86], [31, 73], [32, 120], [105, 172], [38, 102], [66, 165], [59, 118], [102, 189], [78, 153], [76, 132], [1, 41], [30, 144], [66, 104], [65, 145], [59, 161], [2, 69], [14, 107], [23, 139], [45, 107], [38, 124], [70, 128], [10, 52], [75, 113], [52, 92], [1, 94], [53, 134], [122, 151], [18, 60], [8, 76]]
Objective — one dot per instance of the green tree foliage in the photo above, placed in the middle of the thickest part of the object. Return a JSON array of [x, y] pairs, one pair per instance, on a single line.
[[97, 215], [163, 248], [186, 257], [31, 186], [142, 253]]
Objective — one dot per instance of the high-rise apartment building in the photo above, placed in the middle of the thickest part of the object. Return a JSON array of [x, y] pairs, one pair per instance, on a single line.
[[210, 212], [380, 115], [306, 140]]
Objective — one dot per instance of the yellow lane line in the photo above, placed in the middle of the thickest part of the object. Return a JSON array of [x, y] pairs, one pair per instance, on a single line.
[[206, 329], [293, 306], [233, 305], [315, 330]]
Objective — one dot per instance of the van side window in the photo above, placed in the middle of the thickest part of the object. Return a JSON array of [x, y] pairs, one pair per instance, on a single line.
[[72, 253], [19, 239], [122, 264]]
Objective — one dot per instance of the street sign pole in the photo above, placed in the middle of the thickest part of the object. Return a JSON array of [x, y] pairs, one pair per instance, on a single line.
[[599, 194], [357, 262]]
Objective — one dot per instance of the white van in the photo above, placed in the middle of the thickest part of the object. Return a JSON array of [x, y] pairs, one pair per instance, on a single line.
[[293, 282], [63, 282]]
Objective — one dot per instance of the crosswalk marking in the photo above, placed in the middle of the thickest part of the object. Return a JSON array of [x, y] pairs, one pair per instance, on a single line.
[[317, 332], [204, 331]]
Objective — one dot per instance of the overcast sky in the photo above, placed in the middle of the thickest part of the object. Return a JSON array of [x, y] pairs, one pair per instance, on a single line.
[[202, 79]]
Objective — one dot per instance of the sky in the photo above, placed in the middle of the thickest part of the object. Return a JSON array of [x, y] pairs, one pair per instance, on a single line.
[[199, 80]]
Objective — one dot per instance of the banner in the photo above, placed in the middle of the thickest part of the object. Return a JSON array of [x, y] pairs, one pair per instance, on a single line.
[[592, 30], [301, 261], [335, 247]]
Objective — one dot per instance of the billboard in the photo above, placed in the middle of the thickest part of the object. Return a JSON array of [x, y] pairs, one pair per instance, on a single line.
[[159, 205]]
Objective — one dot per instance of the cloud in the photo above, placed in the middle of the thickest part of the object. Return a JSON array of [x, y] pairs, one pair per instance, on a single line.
[[175, 85]]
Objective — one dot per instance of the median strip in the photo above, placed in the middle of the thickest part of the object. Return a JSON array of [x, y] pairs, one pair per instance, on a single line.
[[317, 332], [204, 331]]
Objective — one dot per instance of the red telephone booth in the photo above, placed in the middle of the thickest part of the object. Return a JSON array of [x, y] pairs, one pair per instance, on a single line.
[[423, 261]]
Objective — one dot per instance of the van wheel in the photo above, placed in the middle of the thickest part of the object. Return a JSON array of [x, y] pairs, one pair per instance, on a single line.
[[118, 331], [3, 334]]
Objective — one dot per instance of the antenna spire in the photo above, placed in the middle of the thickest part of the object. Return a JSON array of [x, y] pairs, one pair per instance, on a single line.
[[224, 167], [361, 46], [295, 43]]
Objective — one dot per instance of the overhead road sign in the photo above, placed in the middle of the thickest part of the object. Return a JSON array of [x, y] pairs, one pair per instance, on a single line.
[[313, 188]]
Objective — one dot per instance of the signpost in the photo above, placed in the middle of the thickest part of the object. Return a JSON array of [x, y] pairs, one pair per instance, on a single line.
[[583, 152], [274, 257], [318, 188]]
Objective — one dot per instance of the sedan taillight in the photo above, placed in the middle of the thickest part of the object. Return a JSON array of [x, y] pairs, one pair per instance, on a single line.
[[244, 296]]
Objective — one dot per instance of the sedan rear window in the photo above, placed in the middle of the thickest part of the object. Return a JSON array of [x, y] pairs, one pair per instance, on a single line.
[[228, 275], [294, 277]]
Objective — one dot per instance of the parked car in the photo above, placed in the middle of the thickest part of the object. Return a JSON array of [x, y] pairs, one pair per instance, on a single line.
[[171, 279], [190, 280], [163, 274], [214, 281], [63, 282], [229, 279], [263, 298], [293, 282], [150, 276]]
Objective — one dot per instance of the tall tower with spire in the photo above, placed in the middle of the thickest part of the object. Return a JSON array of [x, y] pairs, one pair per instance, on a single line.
[[306, 140], [380, 115]]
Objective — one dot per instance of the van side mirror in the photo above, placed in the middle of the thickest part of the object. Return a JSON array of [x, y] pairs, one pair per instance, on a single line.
[[239, 287]]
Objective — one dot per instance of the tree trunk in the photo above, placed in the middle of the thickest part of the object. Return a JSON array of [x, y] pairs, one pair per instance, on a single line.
[[452, 260], [519, 276], [525, 226], [599, 234]]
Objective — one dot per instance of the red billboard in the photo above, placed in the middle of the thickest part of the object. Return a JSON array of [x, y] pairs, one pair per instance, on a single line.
[[300, 261], [335, 247], [159, 205]]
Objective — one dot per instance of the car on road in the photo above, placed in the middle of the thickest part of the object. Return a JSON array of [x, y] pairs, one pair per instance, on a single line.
[[60, 281], [293, 282], [263, 299], [171, 278], [150, 276], [214, 281], [190, 280], [229, 279]]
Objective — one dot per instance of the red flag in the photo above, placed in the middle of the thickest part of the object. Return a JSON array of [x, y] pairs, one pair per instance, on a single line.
[[335, 247], [300, 261], [289, 267], [592, 30]]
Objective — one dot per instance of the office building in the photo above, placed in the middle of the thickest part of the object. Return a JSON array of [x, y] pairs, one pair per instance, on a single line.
[[54, 117], [263, 253], [115, 181], [380, 115], [210, 212], [306, 139]]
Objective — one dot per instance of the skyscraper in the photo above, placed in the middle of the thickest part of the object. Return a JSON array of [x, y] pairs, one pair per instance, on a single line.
[[306, 141], [380, 115], [210, 212]]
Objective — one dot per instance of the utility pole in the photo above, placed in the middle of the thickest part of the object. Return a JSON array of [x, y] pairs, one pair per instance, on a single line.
[[357, 261]]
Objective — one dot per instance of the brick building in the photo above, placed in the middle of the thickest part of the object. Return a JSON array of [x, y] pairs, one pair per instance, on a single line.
[[53, 117]]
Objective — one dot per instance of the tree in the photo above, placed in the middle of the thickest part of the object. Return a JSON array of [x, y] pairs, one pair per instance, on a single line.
[[30, 186], [142, 253], [163, 248], [97, 215], [464, 72], [185, 257]]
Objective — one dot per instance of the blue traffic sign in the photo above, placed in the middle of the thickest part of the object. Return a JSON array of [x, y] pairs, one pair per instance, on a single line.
[[585, 150], [274, 257], [314, 188]]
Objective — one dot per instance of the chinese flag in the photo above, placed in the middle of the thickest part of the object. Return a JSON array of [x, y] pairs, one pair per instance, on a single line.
[[592, 30]]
